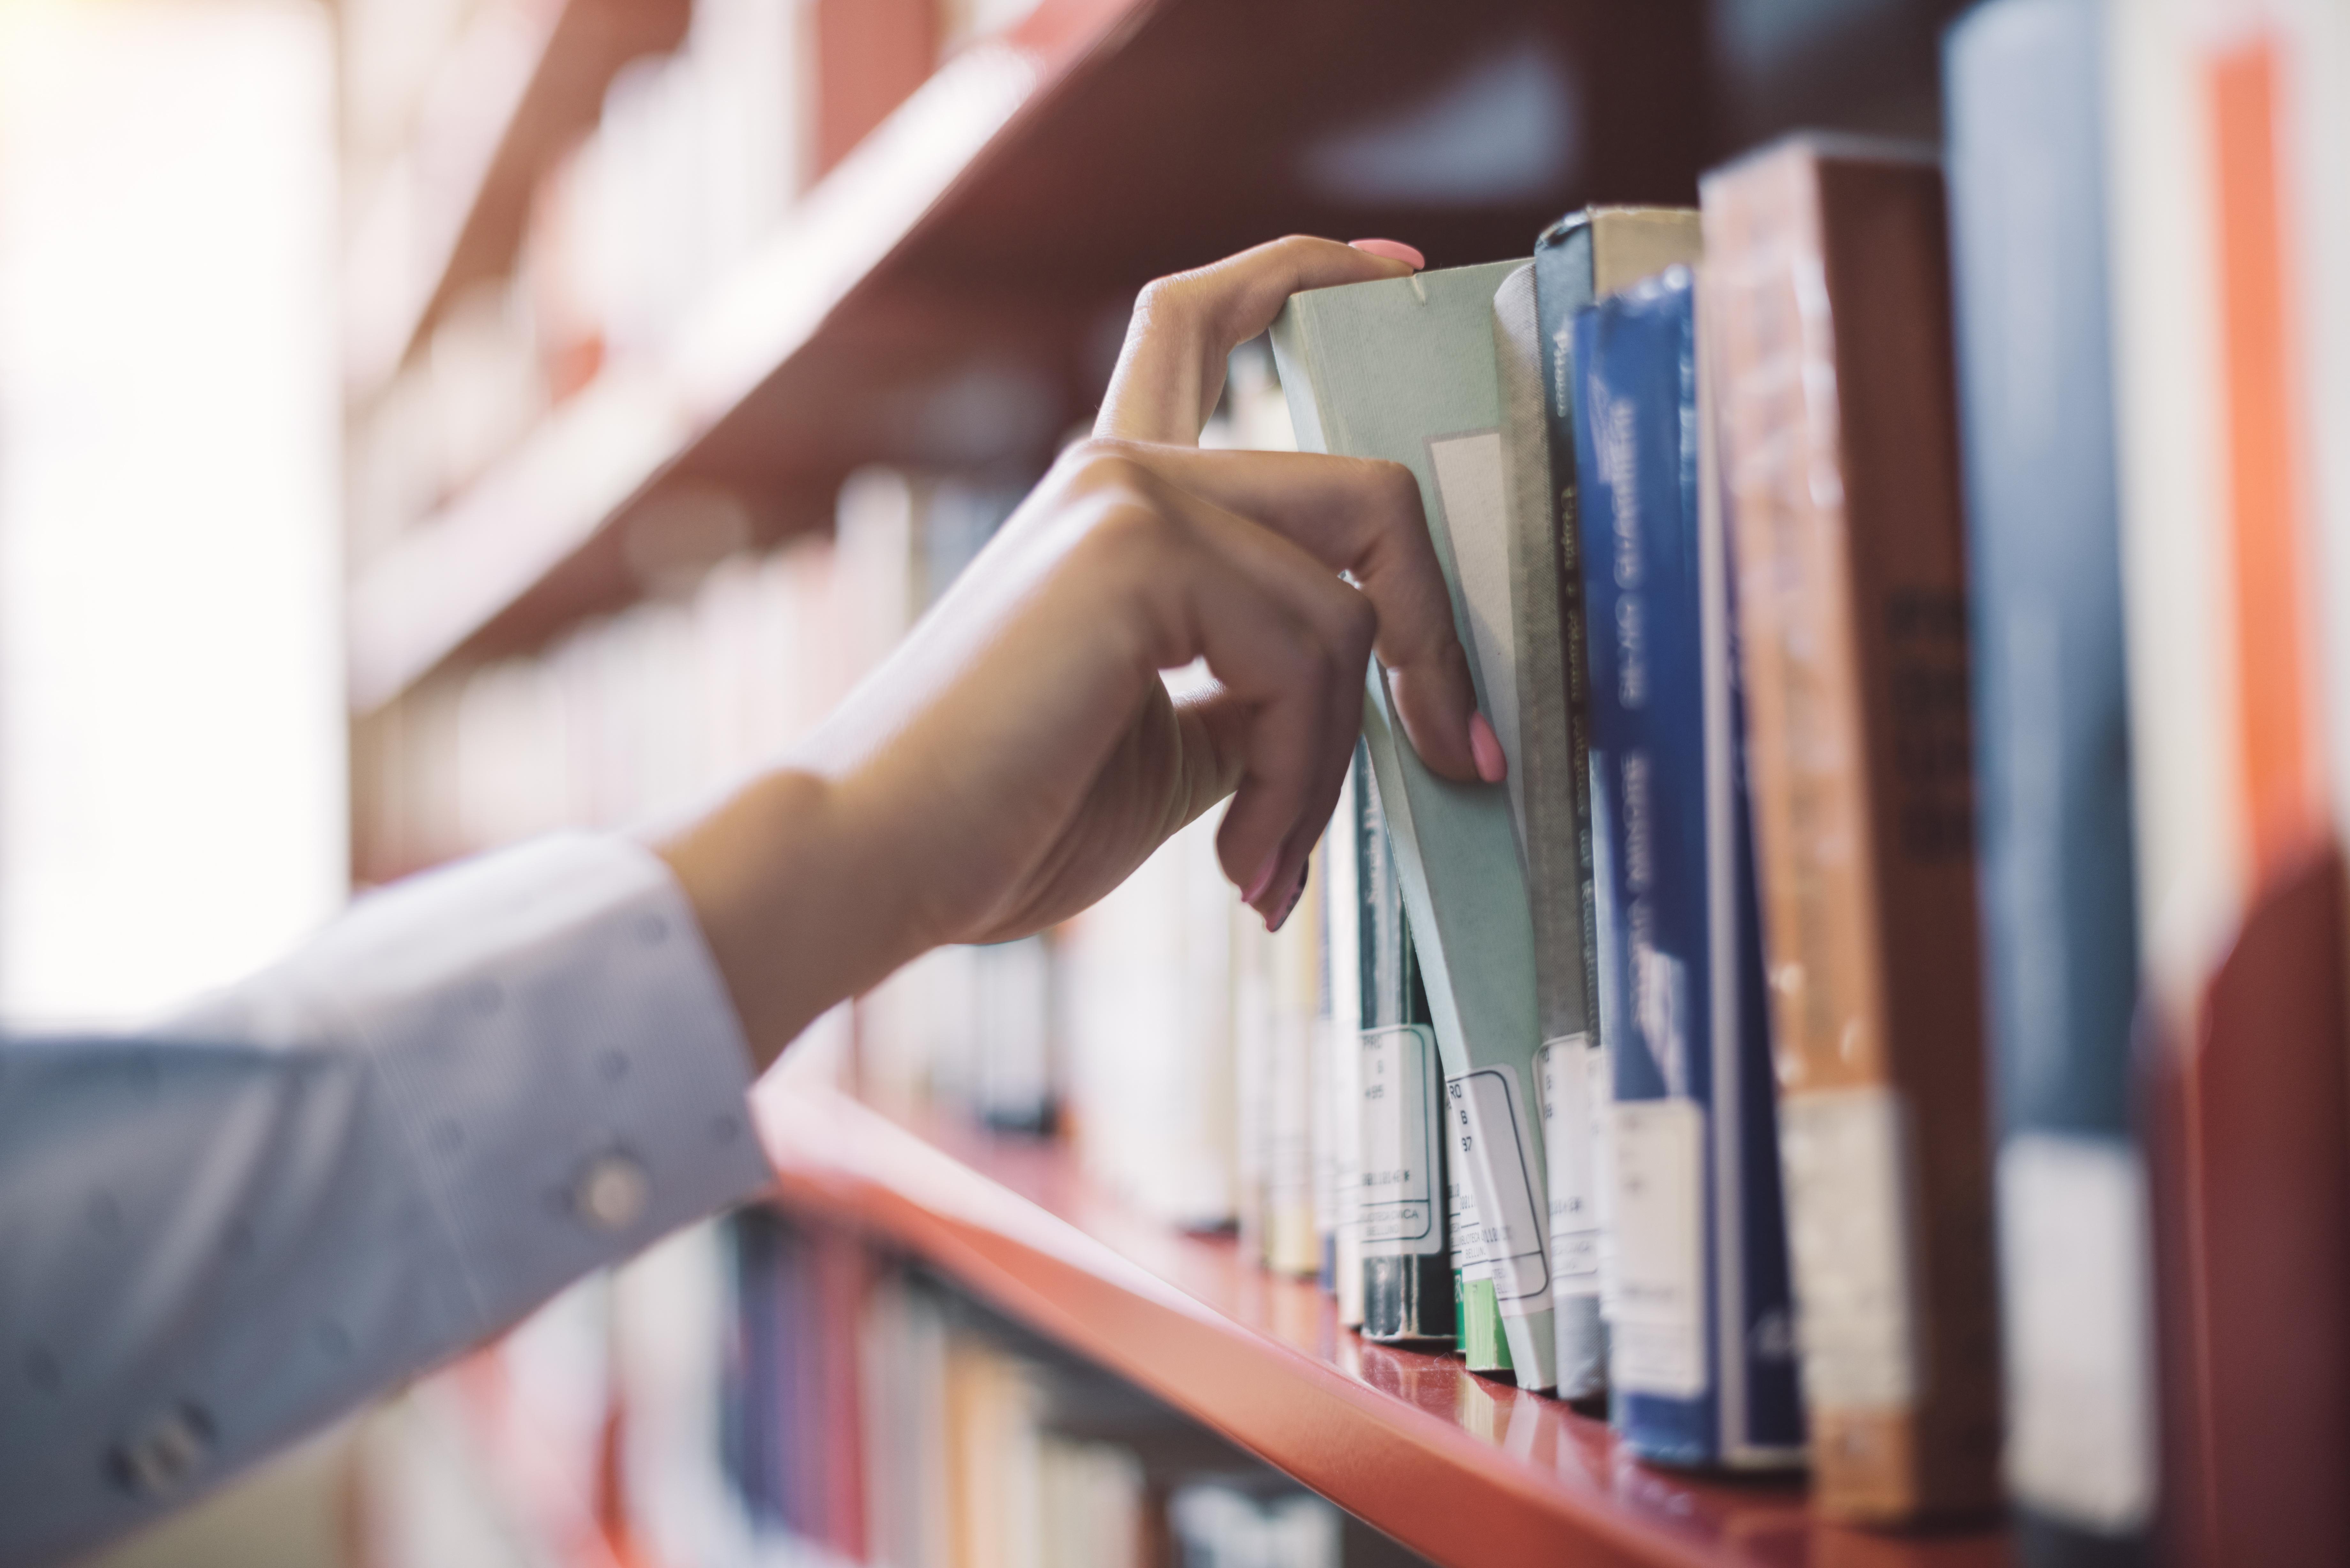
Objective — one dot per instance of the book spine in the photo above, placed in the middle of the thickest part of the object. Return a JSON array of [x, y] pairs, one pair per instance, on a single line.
[[1406, 1265], [1340, 1107], [2227, 170], [1585, 1254], [1699, 1372], [1832, 341], [1294, 966], [1546, 768], [1479, 1339], [1646, 762], [2024, 104]]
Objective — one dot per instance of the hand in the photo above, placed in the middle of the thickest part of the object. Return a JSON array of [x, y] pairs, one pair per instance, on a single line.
[[1018, 755]]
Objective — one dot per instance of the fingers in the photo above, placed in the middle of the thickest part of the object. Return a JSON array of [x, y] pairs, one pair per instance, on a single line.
[[1185, 326], [1365, 518], [1287, 642]]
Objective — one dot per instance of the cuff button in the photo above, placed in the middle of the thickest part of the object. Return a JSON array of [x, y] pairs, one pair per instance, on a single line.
[[612, 1193], [166, 1451]]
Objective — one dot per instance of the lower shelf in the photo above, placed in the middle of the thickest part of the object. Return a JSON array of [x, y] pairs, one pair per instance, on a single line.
[[1462, 1469]]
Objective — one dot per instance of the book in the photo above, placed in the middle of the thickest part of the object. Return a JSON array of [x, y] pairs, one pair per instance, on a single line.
[[1403, 369], [1585, 255], [1294, 973], [2024, 105], [1829, 309], [1480, 1341], [1406, 1259], [1338, 1102], [1701, 1369], [2227, 179]]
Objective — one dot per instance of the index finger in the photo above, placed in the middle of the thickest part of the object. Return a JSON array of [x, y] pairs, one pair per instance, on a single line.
[[1364, 517], [1185, 326]]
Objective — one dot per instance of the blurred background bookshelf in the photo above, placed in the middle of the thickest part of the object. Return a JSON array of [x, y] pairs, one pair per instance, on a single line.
[[679, 352], [675, 388]]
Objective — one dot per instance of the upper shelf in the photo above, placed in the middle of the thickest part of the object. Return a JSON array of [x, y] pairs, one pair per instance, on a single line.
[[1460, 1468], [952, 296], [522, 83]]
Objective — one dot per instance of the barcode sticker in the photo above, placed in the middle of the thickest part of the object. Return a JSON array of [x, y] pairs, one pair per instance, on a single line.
[[2074, 1258], [1398, 1186], [1845, 1157], [1568, 1081], [1658, 1344], [1496, 1134]]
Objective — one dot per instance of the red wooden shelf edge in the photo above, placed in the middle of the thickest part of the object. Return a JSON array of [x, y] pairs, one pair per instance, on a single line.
[[1462, 1469]]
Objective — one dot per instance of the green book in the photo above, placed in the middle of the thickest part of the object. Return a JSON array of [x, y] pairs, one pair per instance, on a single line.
[[1403, 369]]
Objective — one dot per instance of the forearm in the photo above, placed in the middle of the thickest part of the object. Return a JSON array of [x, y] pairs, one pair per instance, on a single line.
[[467, 1093]]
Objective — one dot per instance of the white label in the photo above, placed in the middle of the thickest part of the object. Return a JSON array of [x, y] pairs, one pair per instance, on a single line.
[[1658, 1331], [2074, 1258], [1496, 1135], [1398, 1195], [1845, 1157], [1567, 1083], [1467, 1231]]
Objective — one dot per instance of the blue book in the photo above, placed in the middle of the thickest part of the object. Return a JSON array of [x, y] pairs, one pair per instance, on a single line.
[[2026, 157], [1702, 1366]]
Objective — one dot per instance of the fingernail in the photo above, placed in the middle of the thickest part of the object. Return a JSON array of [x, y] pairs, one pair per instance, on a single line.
[[1295, 893], [1486, 747], [1264, 878], [1394, 250]]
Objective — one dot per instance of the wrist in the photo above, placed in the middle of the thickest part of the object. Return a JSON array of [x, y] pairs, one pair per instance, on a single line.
[[797, 911]]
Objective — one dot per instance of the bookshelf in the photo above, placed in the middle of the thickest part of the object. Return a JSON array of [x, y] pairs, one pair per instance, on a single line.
[[948, 298], [520, 83], [1459, 1468], [937, 304]]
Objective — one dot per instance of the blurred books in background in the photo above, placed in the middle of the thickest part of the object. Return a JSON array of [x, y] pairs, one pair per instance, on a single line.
[[1902, 977]]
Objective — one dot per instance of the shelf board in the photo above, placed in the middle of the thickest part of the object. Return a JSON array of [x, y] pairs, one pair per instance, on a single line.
[[523, 84], [1460, 1469]]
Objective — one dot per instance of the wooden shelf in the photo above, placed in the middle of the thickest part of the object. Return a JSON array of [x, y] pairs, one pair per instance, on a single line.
[[1462, 1469], [523, 84]]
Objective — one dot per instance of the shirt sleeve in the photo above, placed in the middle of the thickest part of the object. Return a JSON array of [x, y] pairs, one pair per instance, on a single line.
[[468, 1092]]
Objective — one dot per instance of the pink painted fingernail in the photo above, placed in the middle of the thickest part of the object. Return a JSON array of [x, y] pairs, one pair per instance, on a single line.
[[1264, 878], [1277, 921], [1486, 747], [1394, 250]]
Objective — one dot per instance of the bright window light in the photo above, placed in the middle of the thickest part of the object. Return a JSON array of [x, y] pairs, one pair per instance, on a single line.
[[171, 750]]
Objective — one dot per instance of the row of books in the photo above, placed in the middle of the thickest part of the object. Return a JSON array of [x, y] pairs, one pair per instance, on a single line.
[[1917, 892], [765, 1391], [695, 171], [1891, 1020], [636, 714], [878, 1414]]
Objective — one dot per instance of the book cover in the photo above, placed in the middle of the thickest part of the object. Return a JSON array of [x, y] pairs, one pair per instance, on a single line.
[[2229, 188], [1701, 1369], [1588, 253], [2023, 100], [1407, 1256], [1403, 369], [1828, 309]]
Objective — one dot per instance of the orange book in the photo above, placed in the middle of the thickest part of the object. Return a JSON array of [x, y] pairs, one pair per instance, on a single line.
[[1826, 314], [2228, 175]]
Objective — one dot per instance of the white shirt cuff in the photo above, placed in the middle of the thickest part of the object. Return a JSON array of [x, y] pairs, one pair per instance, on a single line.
[[569, 1075]]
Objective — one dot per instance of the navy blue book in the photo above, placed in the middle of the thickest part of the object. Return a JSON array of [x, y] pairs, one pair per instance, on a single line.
[[1702, 1366], [2024, 97]]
